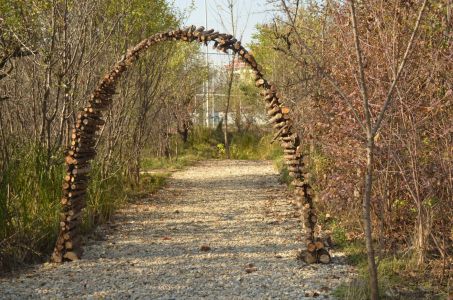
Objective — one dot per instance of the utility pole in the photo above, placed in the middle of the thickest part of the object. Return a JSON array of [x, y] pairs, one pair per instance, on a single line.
[[207, 66]]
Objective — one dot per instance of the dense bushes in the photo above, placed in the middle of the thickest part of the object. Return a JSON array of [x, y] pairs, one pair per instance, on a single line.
[[30, 189], [311, 52]]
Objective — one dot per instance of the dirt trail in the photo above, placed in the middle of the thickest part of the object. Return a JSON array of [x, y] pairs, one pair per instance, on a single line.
[[152, 250]]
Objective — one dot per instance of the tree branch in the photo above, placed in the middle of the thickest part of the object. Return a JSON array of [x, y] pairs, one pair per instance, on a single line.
[[320, 69], [388, 99], [363, 86]]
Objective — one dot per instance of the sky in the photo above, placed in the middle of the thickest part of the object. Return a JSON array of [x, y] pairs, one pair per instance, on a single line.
[[249, 13]]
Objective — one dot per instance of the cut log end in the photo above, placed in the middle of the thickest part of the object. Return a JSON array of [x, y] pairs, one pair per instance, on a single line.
[[307, 257], [317, 256], [323, 256], [56, 258], [72, 256]]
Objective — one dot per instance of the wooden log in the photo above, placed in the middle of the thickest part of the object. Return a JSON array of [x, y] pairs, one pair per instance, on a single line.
[[308, 257], [275, 118], [66, 185], [64, 200], [84, 135], [287, 145], [75, 204], [270, 95], [273, 102], [274, 110], [70, 224], [260, 82], [83, 148], [295, 174], [83, 143], [76, 193], [71, 244], [71, 234], [78, 161], [72, 255], [319, 244], [68, 177], [285, 110], [213, 36], [81, 171], [69, 160], [86, 114], [290, 138], [299, 191], [78, 154], [323, 256], [84, 139], [87, 121], [273, 88], [292, 162], [75, 216], [57, 257], [251, 60], [259, 68], [279, 132], [297, 183], [291, 157], [95, 107], [81, 185], [311, 247], [80, 177], [86, 128], [280, 124], [70, 167]]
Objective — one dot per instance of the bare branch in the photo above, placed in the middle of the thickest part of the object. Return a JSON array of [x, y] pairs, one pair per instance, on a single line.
[[363, 86], [388, 99], [319, 68]]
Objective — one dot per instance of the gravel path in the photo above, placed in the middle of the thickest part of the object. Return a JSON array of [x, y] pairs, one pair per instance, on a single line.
[[217, 231]]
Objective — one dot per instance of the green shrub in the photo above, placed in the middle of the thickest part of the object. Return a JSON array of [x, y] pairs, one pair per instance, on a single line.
[[105, 195], [30, 191]]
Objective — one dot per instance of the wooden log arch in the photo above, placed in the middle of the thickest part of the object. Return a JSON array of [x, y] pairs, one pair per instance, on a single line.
[[90, 120]]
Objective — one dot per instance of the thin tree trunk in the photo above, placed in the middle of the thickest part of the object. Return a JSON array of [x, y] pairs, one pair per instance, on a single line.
[[366, 206], [227, 108]]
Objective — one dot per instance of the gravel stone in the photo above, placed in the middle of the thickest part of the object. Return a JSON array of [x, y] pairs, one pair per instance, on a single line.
[[152, 248]]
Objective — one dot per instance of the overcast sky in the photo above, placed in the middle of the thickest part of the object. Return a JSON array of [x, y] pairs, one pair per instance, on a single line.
[[249, 13]]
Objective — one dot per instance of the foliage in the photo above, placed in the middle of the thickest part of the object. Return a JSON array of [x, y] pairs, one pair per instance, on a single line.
[[412, 192], [29, 206]]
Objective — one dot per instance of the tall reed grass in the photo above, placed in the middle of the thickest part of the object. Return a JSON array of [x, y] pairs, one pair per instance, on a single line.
[[30, 193], [30, 189]]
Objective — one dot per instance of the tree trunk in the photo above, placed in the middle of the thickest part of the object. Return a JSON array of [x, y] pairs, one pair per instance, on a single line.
[[372, 269], [227, 108]]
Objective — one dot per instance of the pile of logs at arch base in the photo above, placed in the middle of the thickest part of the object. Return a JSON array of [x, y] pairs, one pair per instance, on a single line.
[[90, 120]]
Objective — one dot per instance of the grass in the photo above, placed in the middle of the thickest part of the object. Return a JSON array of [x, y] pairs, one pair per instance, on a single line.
[[156, 163], [398, 276], [30, 189], [156, 173], [105, 195]]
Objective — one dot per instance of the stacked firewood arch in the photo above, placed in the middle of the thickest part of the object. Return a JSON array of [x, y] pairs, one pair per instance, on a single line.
[[90, 120]]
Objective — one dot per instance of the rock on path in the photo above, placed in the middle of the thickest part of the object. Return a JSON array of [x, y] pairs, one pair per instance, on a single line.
[[217, 231]]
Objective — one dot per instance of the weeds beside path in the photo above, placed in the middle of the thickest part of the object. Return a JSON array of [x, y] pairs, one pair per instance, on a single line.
[[220, 229]]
